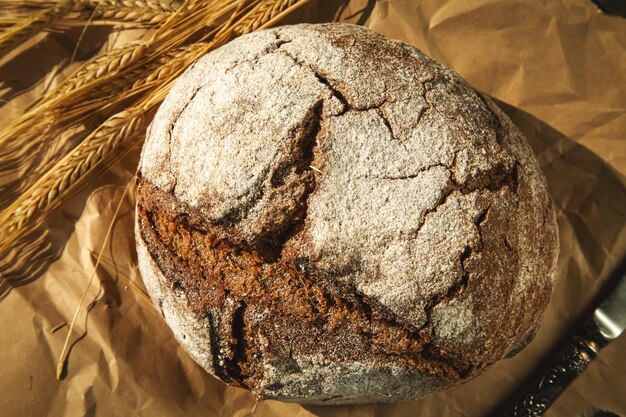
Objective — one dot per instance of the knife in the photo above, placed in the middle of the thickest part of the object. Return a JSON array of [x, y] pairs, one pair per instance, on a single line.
[[606, 323]]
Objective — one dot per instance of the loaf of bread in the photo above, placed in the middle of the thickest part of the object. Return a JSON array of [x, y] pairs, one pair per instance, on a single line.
[[328, 216]]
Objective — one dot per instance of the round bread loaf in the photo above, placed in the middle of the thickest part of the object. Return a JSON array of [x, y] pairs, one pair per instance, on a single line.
[[328, 216]]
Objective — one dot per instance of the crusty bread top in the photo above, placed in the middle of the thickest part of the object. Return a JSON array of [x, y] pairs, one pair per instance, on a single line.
[[425, 197]]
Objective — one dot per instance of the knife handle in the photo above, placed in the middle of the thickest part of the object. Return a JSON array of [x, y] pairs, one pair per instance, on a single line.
[[575, 358]]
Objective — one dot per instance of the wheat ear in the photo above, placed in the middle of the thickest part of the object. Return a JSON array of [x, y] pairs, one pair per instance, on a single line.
[[144, 11], [140, 78], [108, 64], [112, 133]]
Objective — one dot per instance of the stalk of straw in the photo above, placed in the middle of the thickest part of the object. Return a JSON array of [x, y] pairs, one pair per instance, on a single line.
[[63, 356]]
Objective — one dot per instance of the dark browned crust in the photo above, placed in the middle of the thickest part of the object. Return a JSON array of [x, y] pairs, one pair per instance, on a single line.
[[304, 311]]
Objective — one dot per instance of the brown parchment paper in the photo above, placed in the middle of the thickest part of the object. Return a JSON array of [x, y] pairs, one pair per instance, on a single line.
[[558, 69]]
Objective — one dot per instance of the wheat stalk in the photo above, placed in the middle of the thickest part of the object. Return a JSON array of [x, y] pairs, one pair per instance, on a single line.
[[13, 12], [30, 26]]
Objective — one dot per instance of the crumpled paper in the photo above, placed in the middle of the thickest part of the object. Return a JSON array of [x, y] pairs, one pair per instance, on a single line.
[[556, 68]]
